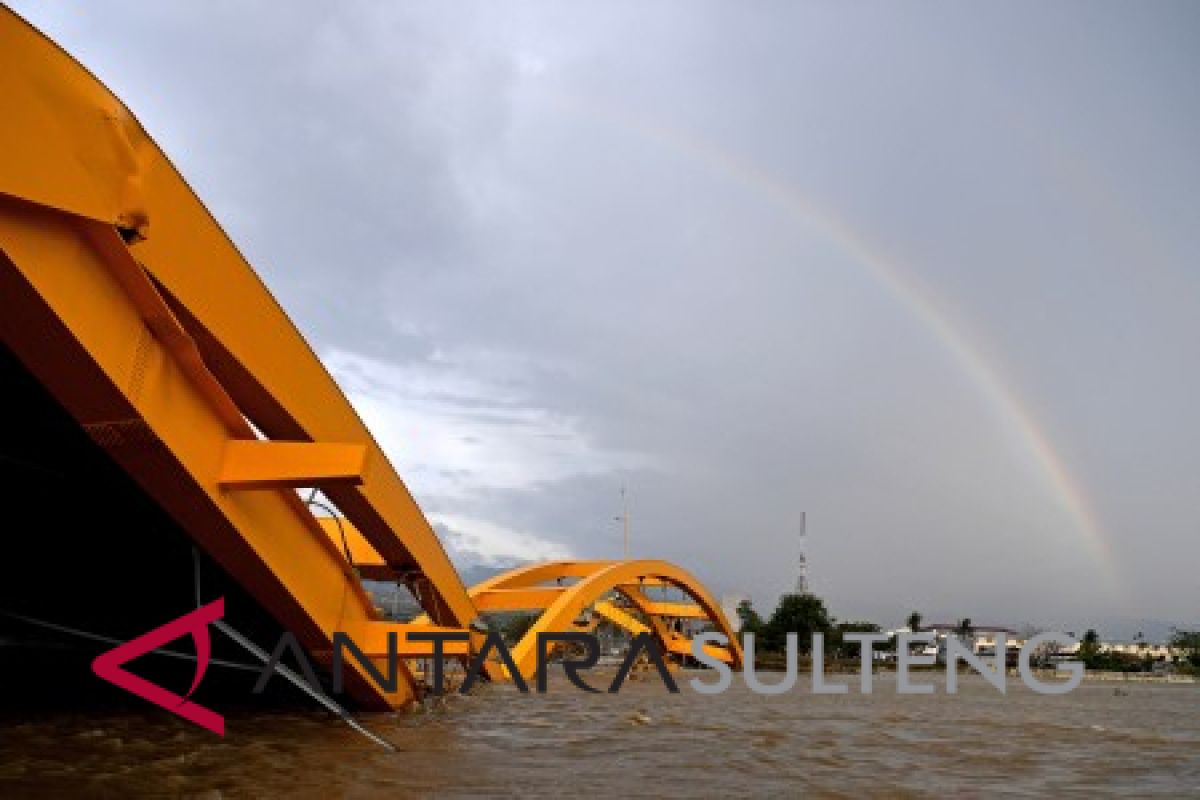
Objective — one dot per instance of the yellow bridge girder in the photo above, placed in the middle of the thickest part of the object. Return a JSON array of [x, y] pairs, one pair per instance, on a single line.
[[128, 302], [130, 305], [562, 604]]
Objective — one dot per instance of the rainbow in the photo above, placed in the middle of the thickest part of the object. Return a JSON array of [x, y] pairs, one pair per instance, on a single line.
[[1003, 399]]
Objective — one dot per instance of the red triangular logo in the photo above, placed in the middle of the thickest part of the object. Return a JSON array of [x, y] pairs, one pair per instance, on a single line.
[[108, 665]]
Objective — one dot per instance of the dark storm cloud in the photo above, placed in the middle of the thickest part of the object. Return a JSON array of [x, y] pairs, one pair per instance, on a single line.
[[554, 248]]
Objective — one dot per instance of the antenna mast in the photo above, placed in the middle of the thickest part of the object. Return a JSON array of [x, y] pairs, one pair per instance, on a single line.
[[624, 519], [802, 571]]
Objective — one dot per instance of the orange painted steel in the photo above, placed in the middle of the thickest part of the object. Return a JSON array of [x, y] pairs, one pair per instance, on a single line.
[[273, 465], [562, 604], [128, 302]]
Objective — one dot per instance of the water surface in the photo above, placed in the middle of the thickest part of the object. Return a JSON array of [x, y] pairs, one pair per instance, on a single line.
[[1131, 739]]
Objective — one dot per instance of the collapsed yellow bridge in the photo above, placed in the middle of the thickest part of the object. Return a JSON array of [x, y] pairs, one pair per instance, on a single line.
[[127, 302]]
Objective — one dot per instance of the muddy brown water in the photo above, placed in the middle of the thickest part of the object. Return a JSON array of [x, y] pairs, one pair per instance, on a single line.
[[1140, 740]]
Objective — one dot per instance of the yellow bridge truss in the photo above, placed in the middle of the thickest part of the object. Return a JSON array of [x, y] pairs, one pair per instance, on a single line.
[[127, 301]]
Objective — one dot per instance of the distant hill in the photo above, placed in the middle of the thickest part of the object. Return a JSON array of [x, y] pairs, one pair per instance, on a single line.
[[1123, 629], [474, 573], [397, 602]]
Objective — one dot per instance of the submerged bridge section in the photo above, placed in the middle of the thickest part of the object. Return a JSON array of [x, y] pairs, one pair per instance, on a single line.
[[127, 302]]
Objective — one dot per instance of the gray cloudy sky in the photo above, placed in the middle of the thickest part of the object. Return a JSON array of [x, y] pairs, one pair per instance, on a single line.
[[927, 271]]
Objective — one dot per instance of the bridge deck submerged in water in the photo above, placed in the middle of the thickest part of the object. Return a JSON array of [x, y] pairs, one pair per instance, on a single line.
[[131, 308]]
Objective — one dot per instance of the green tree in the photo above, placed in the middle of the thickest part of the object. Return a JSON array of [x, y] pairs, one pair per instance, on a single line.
[[748, 619], [965, 628], [1089, 648], [516, 626], [914, 625], [837, 639], [1188, 643], [803, 614]]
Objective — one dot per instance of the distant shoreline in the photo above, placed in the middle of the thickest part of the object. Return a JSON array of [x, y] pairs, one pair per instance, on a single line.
[[1136, 677], [854, 666]]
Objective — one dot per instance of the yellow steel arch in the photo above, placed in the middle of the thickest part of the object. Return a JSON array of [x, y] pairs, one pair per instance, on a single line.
[[130, 305], [127, 301], [526, 588], [61, 121]]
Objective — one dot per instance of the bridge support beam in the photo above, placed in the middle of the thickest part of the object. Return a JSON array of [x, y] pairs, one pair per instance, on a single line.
[[280, 465]]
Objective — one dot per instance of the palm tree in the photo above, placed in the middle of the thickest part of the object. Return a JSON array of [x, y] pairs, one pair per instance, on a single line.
[[914, 621], [1089, 645], [964, 628]]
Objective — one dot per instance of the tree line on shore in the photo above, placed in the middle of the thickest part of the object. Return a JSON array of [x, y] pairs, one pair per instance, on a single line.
[[806, 614], [802, 614], [1184, 644]]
